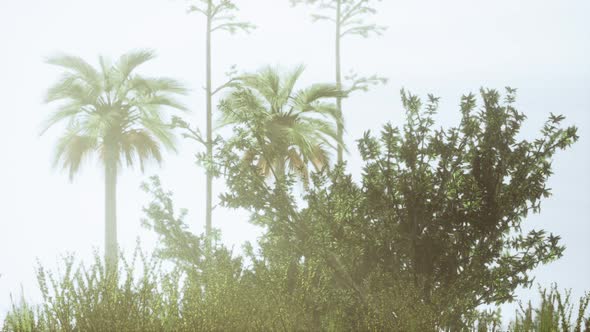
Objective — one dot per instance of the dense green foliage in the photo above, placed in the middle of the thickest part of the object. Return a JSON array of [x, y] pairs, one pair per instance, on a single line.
[[436, 218], [426, 234], [85, 300], [430, 232], [158, 300]]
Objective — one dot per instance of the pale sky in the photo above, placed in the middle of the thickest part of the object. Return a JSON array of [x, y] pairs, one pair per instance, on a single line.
[[447, 48]]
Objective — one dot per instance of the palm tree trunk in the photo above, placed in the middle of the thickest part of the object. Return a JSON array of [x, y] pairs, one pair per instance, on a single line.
[[209, 199], [339, 80], [111, 247], [281, 171]]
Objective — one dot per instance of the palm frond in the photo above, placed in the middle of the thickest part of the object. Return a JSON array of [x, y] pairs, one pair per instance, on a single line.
[[106, 70], [76, 66], [309, 132], [289, 84], [150, 85], [160, 131], [267, 83], [128, 62], [72, 148], [297, 164], [318, 126], [140, 145], [74, 91], [155, 102], [241, 106], [305, 98], [320, 157], [69, 111], [296, 126], [328, 111], [264, 166]]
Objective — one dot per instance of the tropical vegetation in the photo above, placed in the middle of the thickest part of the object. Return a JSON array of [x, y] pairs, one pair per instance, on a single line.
[[345, 256], [427, 236]]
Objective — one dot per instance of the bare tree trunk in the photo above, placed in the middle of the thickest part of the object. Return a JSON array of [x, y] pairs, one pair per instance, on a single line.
[[339, 80], [209, 199], [281, 170], [111, 247]]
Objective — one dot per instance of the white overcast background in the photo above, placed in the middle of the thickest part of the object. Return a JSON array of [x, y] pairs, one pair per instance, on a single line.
[[447, 48]]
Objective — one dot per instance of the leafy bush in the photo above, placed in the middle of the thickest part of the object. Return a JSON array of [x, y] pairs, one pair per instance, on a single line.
[[131, 298], [23, 318], [438, 213]]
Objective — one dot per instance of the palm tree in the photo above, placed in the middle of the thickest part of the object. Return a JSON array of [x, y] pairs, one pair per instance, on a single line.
[[296, 128], [115, 113]]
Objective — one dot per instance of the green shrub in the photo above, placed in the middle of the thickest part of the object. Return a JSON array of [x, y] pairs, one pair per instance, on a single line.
[[132, 298], [23, 318], [554, 313]]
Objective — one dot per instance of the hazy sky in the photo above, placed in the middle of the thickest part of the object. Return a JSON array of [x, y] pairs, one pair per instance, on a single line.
[[447, 48]]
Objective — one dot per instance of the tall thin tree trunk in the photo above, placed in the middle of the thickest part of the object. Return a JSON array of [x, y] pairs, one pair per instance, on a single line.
[[209, 208], [280, 170], [110, 239], [339, 80]]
